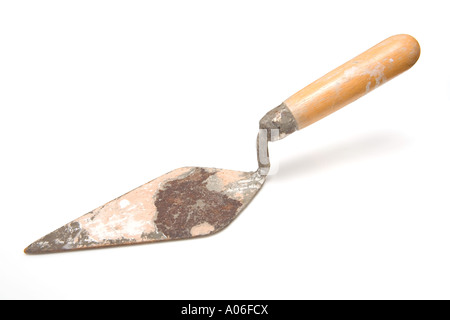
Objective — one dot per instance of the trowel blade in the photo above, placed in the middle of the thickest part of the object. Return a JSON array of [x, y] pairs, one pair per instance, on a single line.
[[184, 203]]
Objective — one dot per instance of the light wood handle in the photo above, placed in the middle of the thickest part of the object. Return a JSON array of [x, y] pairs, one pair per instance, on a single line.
[[348, 82], [353, 79]]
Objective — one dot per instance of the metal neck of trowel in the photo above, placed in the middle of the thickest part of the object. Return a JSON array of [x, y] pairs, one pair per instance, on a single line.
[[262, 150], [275, 125]]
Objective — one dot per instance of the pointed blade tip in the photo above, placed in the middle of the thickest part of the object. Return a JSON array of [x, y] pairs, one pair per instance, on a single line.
[[37, 247], [32, 249]]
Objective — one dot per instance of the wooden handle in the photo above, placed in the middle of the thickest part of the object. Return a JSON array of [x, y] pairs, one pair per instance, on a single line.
[[353, 79], [343, 85]]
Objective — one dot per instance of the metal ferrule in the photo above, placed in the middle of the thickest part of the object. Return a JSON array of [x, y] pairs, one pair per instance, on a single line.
[[279, 123]]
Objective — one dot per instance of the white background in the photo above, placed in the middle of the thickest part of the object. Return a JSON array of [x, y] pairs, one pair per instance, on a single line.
[[99, 97]]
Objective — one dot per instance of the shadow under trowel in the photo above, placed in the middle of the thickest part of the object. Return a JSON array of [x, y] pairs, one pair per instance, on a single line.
[[348, 151]]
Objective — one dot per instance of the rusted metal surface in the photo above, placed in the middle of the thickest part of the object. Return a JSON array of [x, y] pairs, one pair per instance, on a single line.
[[184, 203]]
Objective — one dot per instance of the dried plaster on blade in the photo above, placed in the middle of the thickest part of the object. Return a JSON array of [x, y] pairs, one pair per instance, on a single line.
[[181, 204]]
